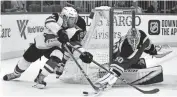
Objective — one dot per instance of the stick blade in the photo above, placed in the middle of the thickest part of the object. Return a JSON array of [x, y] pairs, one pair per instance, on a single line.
[[151, 91]]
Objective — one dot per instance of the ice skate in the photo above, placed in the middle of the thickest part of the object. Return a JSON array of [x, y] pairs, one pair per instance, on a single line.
[[11, 76], [40, 83]]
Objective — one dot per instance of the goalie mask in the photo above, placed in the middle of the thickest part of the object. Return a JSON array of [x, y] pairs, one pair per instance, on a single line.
[[133, 37], [69, 16]]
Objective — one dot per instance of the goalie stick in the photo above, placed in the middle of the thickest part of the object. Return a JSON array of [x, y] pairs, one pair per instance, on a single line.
[[123, 80], [97, 90]]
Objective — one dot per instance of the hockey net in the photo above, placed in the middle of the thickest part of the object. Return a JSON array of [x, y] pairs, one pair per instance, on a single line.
[[98, 41]]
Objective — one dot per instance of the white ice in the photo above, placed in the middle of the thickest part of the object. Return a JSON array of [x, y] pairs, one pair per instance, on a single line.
[[55, 87]]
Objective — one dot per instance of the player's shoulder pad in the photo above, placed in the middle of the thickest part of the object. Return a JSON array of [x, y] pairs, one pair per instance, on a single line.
[[52, 18], [56, 16], [143, 34], [81, 19], [81, 23]]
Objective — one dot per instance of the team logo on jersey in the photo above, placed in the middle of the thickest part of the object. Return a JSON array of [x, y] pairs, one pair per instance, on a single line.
[[154, 27], [22, 24]]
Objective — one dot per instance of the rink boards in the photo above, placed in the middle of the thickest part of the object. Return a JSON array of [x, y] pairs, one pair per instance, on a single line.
[[19, 30]]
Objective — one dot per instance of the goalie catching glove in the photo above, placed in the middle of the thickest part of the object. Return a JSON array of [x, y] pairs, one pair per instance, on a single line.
[[86, 57]]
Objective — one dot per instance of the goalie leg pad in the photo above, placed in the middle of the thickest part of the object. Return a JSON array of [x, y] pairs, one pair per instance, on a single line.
[[144, 76], [109, 79], [116, 69]]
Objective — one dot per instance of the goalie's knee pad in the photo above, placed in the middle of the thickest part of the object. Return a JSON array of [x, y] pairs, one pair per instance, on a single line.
[[116, 69]]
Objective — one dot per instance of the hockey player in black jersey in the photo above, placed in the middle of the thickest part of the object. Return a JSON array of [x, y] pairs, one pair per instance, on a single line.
[[60, 29]]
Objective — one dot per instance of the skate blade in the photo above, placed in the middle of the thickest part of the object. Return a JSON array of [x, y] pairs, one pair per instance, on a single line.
[[39, 86]]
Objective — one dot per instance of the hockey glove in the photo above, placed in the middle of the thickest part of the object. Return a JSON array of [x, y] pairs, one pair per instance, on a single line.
[[86, 57], [63, 37], [153, 52]]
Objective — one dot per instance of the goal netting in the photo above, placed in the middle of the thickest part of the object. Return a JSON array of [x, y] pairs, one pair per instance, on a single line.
[[99, 41]]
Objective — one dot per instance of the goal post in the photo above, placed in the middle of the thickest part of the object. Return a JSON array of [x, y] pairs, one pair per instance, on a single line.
[[111, 35]]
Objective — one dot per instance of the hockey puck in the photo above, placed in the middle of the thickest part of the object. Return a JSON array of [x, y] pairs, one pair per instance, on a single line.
[[86, 93]]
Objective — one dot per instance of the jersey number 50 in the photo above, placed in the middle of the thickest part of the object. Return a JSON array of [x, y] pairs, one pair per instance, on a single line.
[[119, 59]]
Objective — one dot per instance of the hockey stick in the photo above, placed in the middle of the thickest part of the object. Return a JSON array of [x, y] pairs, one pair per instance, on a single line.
[[123, 80], [93, 86]]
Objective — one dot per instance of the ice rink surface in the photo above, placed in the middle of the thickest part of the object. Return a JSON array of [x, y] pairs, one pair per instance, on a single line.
[[55, 87]]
